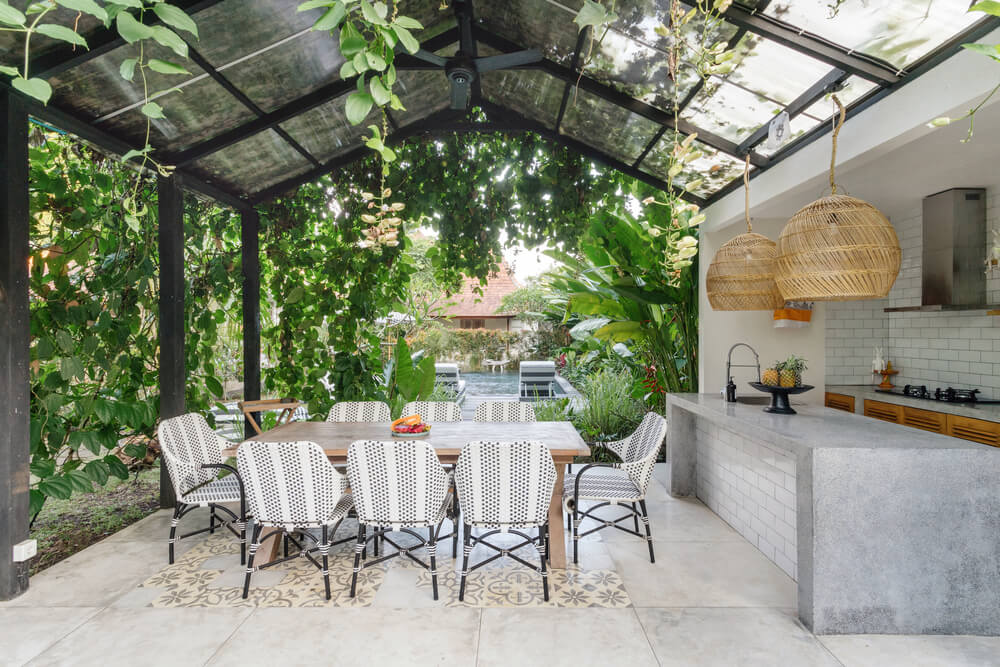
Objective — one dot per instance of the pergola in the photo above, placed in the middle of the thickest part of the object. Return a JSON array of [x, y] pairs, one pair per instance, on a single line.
[[263, 112]]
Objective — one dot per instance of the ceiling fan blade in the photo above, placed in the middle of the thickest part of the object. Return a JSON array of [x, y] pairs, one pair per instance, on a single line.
[[431, 58], [507, 60], [459, 95]]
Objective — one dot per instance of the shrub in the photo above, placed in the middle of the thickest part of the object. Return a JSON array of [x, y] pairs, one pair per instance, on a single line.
[[609, 412]]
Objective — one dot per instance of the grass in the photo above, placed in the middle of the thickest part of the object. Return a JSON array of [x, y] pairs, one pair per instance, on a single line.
[[64, 527]]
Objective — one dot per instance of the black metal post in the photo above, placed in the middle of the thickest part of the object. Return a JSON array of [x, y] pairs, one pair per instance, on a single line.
[[172, 372], [14, 342], [249, 235]]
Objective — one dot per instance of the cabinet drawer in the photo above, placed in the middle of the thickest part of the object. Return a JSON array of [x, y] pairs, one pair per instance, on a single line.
[[927, 420], [976, 430], [839, 402], [884, 411]]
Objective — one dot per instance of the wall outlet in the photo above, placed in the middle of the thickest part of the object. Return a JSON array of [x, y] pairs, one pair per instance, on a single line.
[[25, 550]]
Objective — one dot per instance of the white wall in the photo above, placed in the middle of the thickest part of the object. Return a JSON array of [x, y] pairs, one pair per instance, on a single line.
[[719, 330]]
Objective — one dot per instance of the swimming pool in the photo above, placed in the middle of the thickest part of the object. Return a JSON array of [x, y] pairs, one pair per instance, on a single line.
[[495, 384]]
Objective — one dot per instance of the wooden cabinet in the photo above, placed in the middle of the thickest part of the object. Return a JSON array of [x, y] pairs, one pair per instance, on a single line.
[[839, 402], [887, 412], [936, 422], [977, 430]]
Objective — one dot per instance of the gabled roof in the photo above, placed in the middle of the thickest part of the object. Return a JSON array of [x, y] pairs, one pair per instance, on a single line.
[[264, 108], [467, 303]]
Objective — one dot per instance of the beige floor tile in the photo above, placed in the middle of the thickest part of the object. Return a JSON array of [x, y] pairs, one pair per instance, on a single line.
[[701, 574], [725, 637], [554, 637], [25, 633], [147, 637], [365, 636], [670, 520], [914, 651]]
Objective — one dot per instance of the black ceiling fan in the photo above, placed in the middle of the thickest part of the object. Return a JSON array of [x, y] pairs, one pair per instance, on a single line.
[[464, 67]]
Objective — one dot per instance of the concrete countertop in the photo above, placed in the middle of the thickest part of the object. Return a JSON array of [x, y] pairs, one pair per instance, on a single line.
[[813, 427], [863, 391]]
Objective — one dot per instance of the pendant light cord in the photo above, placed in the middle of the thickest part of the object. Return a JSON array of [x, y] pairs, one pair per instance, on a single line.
[[746, 189], [838, 123]]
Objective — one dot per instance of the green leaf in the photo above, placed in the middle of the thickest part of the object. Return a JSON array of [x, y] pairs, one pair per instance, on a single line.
[[587, 327], [408, 23], [56, 487], [346, 70], [98, 471], [79, 481], [65, 341], [619, 332], [134, 4], [130, 29], [166, 67], [331, 18], [39, 89], [42, 468], [87, 7], [175, 18], [214, 386], [351, 41], [36, 502], [61, 33], [989, 50], [70, 367], [152, 110], [294, 296], [136, 450], [118, 469], [134, 154], [370, 15], [594, 15], [170, 39], [379, 92], [11, 16], [127, 68], [375, 61], [987, 6], [9, 71], [315, 4], [410, 42], [357, 107]]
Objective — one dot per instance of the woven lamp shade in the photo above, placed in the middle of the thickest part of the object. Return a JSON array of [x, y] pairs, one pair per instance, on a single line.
[[741, 276], [837, 248]]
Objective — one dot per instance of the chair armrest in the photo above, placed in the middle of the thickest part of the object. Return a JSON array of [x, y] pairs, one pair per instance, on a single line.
[[576, 483], [231, 469]]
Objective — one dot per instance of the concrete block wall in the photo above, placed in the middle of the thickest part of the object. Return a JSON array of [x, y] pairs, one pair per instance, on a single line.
[[752, 487]]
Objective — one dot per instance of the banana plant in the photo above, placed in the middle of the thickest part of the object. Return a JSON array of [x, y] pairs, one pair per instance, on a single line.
[[408, 376]]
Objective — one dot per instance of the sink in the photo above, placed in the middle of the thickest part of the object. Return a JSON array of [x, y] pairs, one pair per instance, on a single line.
[[754, 400]]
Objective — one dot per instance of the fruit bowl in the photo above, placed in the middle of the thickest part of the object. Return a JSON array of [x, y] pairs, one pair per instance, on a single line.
[[410, 427], [779, 396]]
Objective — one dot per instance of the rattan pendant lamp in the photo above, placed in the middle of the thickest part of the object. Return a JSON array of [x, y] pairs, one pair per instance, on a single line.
[[741, 276], [838, 248]]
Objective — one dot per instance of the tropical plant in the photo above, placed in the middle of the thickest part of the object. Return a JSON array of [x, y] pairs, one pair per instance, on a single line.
[[553, 410], [408, 376], [609, 410]]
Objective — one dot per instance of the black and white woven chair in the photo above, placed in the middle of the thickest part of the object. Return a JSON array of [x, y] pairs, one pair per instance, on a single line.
[[359, 411], [292, 486], [622, 484], [505, 487], [504, 411], [192, 452], [397, 487], [434, 411]]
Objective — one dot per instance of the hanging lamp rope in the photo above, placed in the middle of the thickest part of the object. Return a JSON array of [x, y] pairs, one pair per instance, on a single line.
[[746, 190], [837, 124]]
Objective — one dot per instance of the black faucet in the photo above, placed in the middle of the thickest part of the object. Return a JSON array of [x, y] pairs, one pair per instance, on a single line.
[[730, 385]]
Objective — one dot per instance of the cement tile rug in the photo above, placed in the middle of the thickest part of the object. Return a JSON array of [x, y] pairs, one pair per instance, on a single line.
[[209, 575]]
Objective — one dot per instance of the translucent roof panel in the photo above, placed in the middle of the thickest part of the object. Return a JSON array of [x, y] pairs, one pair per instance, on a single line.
[[899, 32], [12, 43], [529, 92], [714, 169], [234, 29], [255, 163], [325, 131], [773, 71], [729, 110], [422, 93], [609, 128], [547, 26]]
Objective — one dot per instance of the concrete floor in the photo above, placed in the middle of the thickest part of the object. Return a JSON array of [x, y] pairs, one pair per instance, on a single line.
[[710, 599]]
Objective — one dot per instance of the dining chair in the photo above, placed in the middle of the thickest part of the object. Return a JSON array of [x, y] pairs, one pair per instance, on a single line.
[[293, 487], [397, 487], [434, 411], [623, 484], [192, 452], [505, 487], [504, 411], [359, 411]]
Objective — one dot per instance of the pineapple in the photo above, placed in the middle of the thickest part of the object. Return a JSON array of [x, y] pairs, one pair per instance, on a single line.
[[771, 375], [787, 377], [791, 371]]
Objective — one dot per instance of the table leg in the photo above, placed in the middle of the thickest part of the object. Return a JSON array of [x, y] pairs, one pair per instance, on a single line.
[[270, 550], [557, 531]]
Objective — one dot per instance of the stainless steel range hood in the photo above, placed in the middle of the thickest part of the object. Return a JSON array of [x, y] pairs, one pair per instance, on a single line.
[[954, 247]]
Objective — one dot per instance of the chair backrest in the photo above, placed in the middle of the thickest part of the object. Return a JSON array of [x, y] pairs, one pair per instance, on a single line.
[[537, 377], [639, 450], [359, 411], [187, 443], [434, 411], [504, 411], [396, 483], [289, 483], [503, 483], [300, 414], [447, 374]]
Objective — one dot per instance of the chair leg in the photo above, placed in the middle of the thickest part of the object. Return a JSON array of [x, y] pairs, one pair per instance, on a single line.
[[649, 535], [324, 549], [432, 552], [357, 557], [254, 544], [576, 530], [543, 534], [243, 540], [466, 550], [635, 517], [454, 528], [284, 546], [173, 533], [211, 519]]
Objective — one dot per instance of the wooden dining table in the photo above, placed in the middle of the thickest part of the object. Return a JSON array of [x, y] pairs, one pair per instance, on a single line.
[[447, 439]]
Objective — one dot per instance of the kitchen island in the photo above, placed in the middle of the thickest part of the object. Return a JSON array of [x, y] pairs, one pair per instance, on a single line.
[[886, 529]]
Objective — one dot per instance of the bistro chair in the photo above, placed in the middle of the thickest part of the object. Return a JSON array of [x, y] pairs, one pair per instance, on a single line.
[[293, 487], [504, 411], [434, 411], [192, 452], [505, 487], [397, 487], [622, 484], [359, 411]]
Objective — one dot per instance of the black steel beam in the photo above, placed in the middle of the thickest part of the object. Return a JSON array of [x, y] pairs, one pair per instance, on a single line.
[[833, 80], [15, 383], [650, 145], [811, 45], [620, 99], [288, 111], [171, 314], [102, 41], [581, 39], [250, 251]]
